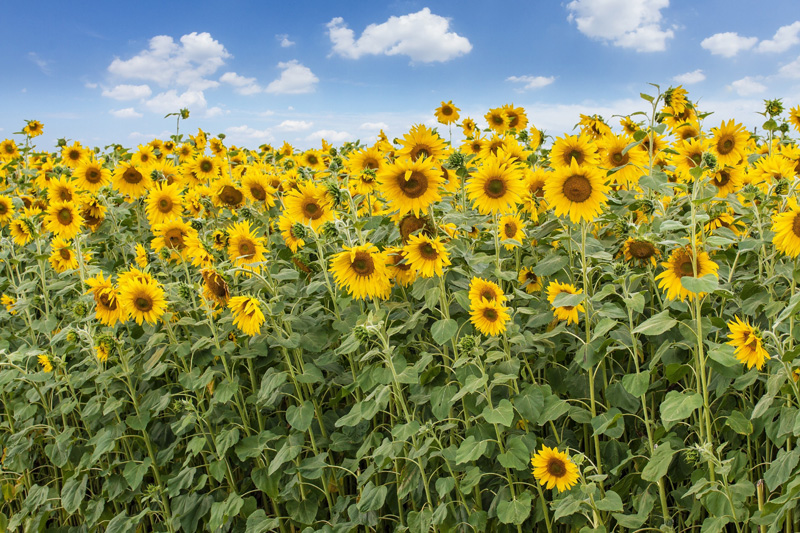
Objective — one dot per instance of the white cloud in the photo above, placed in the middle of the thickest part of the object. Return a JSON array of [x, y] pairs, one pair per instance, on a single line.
[[373, 126], [247, 135], [170, 101], [295, 79], [688, 78], [265, 114], [90, 85], [128, 92], [212, 112], [128, 112], [791, 70], [532, 82], [422, 36], [294, 125], [284, 39], [241, 84], [747, 86], [728, 44], [43, 65], [784, 38], [331, 136], [632, 24], [167, 63], [134, 135]]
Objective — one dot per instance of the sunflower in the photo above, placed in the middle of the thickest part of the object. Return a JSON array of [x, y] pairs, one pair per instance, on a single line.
[[309, 204], [411, 185], [489, 147], [489, 316], [496, 119], [495, 187], [640, 251], [447, 113], [727, 180], [422, 142], [62, 190], [256, 186], [399, 269], [629, 126], [594, 126], [529, 281], [554, 469], [91, 176], [8, 302], [770, 169], [6, 209], [141, 255], [481, 289], [468, 127], [173, 236], [164, 203], [244, 247], [292, 233], [44, 360], [215, 288], [680, 264], [63, 219], [145, 157], [142, 300], [794, 117], [533, 199], [101, 351], [690, 153], [107, 309], [473, 145], [748, 343], [34, 128], [312, 159], [628, 165], [167, 169], [511, 228], [361, 270], [21, 231], [367, 160], [226, 193], [576, 191], [515, 117], [425, 255], [62, 257], [74, 155], [786, 226], [729, 142], [568, 313], [571, 148], [205, 168], [8, 150], [131, 180], [247, 314]]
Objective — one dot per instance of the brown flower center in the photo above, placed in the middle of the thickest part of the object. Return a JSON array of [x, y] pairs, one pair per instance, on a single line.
[[363, 264], [427, 251], [415, 186], [420, 151], [495, 187], [311, 209], [510, 230], [311, 159], [577, 188], [258, 192], [447, 110], [74, 155], [65, 254], [246, 249], [721, 178], [143, 304], [577, 155], [685, 267], [796, 225], [109, 302], [3, 208], [173, 238], [488, 295], [65, 216], [619, 159], [556, 467], [641, 250], [132, 176], [230, 195], [490, 315], [725, 145], [206, 165], [165, 205], [93, 175]]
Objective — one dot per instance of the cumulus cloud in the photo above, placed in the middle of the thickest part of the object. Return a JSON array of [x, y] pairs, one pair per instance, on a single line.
[[728, 44], [784, 38], [212, 112], [747, 86], [167, 63], [170, 101], [284, 40], [373, 126], [791, 70], [294, 125], [632, 24], [90, 85], [422, 36], [241, 84], [688, 78], [245, 134], [295, 79], [128, 92], [332, 136], [128, 112], [532, 82]]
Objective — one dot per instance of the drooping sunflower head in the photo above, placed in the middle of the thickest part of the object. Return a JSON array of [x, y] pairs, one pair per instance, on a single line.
[[107, 309], [748, 343], [215, 288], [22, 230], [6, 209], [399, 269], [529, 281], [247, 314], [62, 257]]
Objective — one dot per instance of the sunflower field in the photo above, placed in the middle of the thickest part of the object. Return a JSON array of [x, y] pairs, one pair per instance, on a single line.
[[590, 332]]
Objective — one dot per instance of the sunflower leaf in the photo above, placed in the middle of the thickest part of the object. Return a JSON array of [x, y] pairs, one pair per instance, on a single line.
[[443, 330], [565, 299], [707, 283], [656, 324], [659, 463]]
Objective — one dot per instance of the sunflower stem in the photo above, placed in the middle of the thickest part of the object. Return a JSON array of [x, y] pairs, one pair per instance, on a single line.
[[588, 330]]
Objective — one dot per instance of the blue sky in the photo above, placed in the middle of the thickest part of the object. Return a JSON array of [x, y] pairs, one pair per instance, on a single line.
[[104, 72]]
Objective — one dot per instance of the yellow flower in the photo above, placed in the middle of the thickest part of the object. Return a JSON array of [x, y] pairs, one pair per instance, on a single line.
[[786, 226], [21, 231], [62, 257], [44, 360], [107, 309], [361, 270], [164, 203], [679, 265], [481, 289], [568, 313], [6, 210], [215, 288], [72, 156], [247, 314], [729, 143], [142, 300], [411, 185], [309, 204], [640, 251], [511, 229], [63, 219], [421, 142], [34, 128], [489, 316], [447, 113], [101, 351], [8, 302], [399, 269], [173, 235], [629, 165], [748, 343], [8, 150], [529, 281], [425, 255], [579, 149], [554, 469], [131, 180], [244, 247], [495, 187], [141, 255], [576, 191], [91, 176]]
